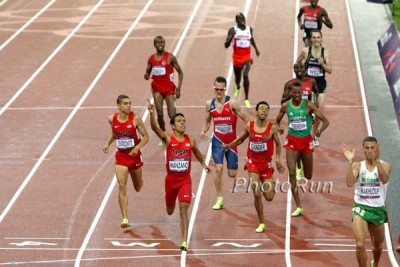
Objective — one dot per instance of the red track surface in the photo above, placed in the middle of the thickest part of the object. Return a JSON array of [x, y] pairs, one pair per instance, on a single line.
[[61, 199]]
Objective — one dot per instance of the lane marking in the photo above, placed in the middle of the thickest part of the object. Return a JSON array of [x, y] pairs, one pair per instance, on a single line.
[[388, 238], [236, 253], [218, 244], [60, 131], [143, 107], [3, 2], [26, 24], [207, 161], [114, 179], [55, 52], [289, 193]]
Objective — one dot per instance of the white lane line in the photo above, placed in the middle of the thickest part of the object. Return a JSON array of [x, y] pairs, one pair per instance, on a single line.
[[3, 2], [388, 238], [60, 131], [114, 179], [207, 160], [145, 107], [26, 24], [289, 194], [234, 253], [55, 52]]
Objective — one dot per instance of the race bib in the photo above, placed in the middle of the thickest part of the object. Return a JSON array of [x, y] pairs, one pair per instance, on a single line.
[[158, 71], [298, 125], [370, 190], [310, 24], [223, 128], [125, 143], [314, 72], [243, 43], [179, 165], [304, 96], [258, 146]]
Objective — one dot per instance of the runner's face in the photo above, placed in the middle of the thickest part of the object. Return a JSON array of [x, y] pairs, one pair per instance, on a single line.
[[241, 21], [371, 149], [159, 44], [219, 89], [125, 105], [296, 94], [180, 124], [299, 71], [314, 3], [262, 112], [316, 39]]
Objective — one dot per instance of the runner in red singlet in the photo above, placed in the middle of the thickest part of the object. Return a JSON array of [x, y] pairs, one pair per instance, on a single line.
[[178, 182], [262, 135], [161, 67], [223, 111], [131, 135], [314, 17]]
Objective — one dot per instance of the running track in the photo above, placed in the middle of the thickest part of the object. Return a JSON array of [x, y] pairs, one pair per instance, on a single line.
[[64, 62]]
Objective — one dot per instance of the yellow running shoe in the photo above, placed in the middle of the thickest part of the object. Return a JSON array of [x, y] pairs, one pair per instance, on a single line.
[[372, 264], [261, 228], [218, 205], [236, 93], [184, 246], [125, 223], [247, 103], [299, 211], [299, 172]]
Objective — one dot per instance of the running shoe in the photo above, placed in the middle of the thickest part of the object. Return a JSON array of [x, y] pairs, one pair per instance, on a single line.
[[218, 205], [125, 223], [247, 103], [372, 264], [299, 172], [297, 212], [236, 93], [315, 141], [184, 246], [261, 228]]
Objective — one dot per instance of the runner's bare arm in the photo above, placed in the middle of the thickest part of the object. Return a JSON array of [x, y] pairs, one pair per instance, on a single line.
[[239, 140], [112, 137], [175, 64], [148, 70], [154, 126], [229, 38], [206, 126], [198, 155]]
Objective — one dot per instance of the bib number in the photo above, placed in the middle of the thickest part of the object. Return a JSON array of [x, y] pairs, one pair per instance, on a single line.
[[179, 165], [242, 43], [311, 24], [314, 72], [223, 128], [258, 147], [298, 125], [125, 143], [158, 71]]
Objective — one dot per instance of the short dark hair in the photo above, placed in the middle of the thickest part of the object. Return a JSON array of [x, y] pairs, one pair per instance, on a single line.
[[158, 37], [369, 139], [172, 120], [315, 30], [120, 97], [261, 103], [240, 14], [296, 83], [298, 64], [220, 79]]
